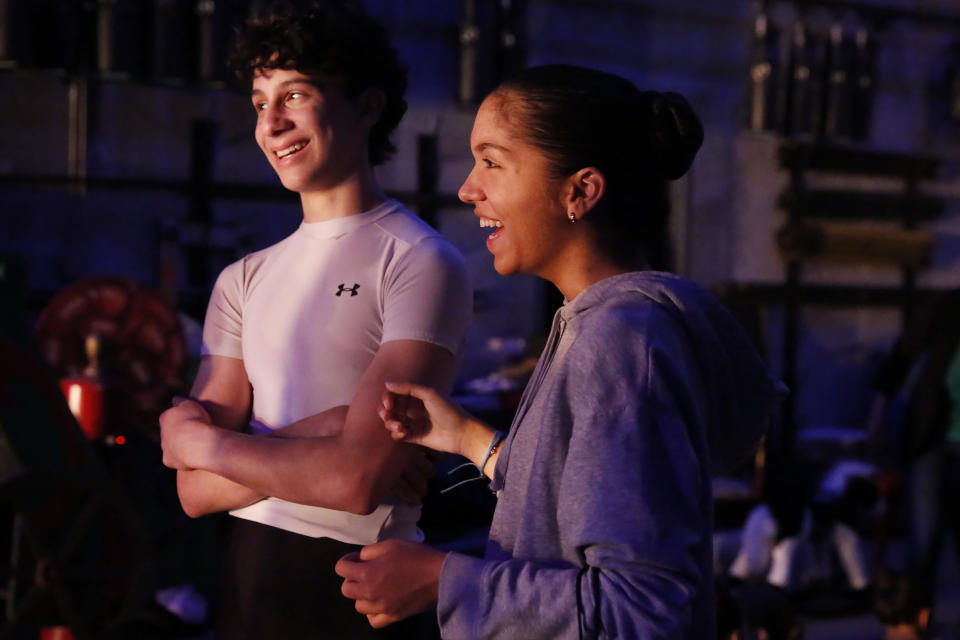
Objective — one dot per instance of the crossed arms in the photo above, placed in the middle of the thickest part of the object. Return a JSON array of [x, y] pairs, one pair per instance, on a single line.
[[340, 459]]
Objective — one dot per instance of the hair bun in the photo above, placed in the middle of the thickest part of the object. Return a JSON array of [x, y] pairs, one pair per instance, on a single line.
[[674, 132]]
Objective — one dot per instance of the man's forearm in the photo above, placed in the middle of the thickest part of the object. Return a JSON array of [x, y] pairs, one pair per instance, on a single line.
[[327, 423], [223, 391], [202, 492], [319, 471]]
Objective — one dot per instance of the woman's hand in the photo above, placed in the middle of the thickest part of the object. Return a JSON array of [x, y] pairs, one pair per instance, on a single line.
[[391, 580], [422, 416]]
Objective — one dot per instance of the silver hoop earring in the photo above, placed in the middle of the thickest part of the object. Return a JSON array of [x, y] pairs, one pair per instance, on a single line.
[[572, 217]]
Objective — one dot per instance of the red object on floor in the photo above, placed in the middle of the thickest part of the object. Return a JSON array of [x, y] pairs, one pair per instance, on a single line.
[[84, 396], [84, 392], [56, 633]]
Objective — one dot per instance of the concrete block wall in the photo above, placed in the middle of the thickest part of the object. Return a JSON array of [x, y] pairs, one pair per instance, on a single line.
[[725, 210], [726, 214]]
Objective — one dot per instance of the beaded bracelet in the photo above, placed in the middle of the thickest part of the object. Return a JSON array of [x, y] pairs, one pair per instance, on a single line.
[[494, 443], [491, 448]]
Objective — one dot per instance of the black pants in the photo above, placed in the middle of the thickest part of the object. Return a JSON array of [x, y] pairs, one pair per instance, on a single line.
[[280, 585], [935, 518]]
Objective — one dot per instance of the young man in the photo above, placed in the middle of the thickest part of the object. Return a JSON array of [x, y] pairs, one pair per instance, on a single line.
[[300, 337]]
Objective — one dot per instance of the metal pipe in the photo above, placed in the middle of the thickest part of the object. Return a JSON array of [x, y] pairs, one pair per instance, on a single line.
[[205, 11], [78, 101], [105, 31], [4, 30]]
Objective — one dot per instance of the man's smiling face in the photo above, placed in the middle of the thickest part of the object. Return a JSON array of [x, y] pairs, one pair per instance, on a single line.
[[311, 133]]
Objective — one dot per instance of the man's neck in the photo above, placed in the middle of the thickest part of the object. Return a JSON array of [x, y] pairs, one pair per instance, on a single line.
[[354, 195]]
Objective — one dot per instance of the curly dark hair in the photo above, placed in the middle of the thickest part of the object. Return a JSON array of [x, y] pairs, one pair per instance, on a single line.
[[335, 40]]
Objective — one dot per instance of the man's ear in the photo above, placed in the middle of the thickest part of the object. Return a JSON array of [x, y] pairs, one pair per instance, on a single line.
[[371, 103], [584, 190]]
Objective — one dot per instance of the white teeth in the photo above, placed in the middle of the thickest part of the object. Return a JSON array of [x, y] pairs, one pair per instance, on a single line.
[[487, 222], [283, 153]]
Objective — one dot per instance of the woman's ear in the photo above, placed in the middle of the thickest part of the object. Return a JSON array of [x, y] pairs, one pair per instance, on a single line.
[[371, 104], [584, 190]]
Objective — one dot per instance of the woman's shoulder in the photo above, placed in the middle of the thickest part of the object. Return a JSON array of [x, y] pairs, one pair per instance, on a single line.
[[638, 297], [660, 288], [645, 310]]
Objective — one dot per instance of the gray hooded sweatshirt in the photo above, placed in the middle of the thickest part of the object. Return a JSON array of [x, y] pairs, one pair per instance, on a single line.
[[603, 523]]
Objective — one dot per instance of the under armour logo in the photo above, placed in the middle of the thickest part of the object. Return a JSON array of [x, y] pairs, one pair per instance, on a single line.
[[353, 291]]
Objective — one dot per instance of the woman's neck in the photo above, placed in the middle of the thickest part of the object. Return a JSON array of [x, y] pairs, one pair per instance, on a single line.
[[582, 269]]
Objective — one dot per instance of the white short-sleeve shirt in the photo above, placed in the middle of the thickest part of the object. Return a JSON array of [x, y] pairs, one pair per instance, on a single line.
[[308, 314]]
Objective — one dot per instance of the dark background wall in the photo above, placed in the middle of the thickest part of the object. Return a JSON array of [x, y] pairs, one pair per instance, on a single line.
[[168, 185], [138, 160]]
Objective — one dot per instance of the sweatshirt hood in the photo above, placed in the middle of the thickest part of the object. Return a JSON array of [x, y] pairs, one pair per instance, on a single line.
[[742, 395]]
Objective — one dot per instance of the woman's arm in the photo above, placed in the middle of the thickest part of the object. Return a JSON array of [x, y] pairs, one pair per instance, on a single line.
[[630, 532], [621, 450], [421, 415], [634, 520]]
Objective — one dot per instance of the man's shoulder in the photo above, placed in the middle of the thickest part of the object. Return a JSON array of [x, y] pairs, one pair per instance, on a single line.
[[418, 241], [403, 225], [243, 267]]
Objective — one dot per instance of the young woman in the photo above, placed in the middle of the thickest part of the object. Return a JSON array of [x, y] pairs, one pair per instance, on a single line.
[[603, 523]]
